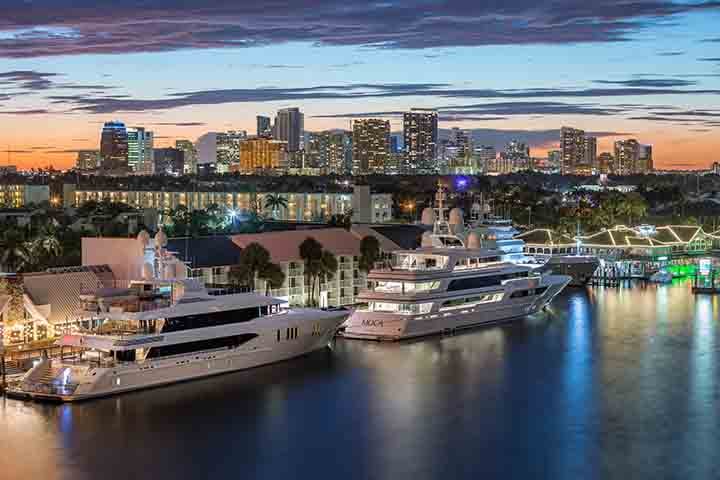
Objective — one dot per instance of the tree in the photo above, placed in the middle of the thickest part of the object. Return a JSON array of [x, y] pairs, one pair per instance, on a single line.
[[273, 275], [12, 249], [328, 265], [253, 259], [311, 252], [274, 202], [369, 253], [342, 220]]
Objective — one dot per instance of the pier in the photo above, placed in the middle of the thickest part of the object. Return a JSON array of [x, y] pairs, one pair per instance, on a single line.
[[608, 276]]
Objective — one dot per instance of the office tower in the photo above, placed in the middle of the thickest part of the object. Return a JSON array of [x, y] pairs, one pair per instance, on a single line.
[[590, 164], [261, 154], [518, 156], [370, 146], [289, 126], [627, 153], [140, 150], [572, 147], [485, 156], [394, 144], [190, 155], [555, 159], [114, 147], [606, 163], [169, 161], [227, 150], [264, 127], [87, 160], [420, 137], [644, 162], [716, 168], [330, 151]]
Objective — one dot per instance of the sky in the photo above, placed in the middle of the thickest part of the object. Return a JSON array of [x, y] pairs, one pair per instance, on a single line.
[[645, 69]]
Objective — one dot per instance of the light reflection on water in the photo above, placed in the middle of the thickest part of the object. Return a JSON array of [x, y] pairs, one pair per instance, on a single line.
[[609, 383]]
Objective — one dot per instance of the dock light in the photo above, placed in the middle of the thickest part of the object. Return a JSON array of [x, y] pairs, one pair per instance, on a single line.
[[461, 183], [233, 214]]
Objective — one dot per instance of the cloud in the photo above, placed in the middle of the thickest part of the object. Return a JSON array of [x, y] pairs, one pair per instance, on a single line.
[[535, 138], [27, 79], [177, 124], [81, 27], [37, 111], [709, 59], [113, 104], [650, 82], [671, 54], [712, 40]]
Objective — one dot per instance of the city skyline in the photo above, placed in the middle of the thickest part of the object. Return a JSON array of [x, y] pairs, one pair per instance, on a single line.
[[520, 71]]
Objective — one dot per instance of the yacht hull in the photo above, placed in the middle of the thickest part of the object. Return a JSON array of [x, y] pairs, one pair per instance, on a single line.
[[131, 376], [394, 327]]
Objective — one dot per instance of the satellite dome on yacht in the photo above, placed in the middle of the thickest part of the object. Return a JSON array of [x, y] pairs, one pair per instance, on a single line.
[[144, 237], [161, 239], [473, 240], [426, 240], [428, 217], [456, 216]]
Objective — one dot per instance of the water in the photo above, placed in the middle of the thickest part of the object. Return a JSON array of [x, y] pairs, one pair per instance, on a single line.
[[615, 383]]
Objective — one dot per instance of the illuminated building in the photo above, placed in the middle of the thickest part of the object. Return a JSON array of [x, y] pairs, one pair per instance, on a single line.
[[329, 151], [606, 163], [264, 127], [87, 160], [485, 157], [289, 126], [572, 147], [517, 155], [590, 162], [261, 154], [627, 155], [370, 146], [420, 137], [114, 147], [190, 155], [169, 161], [227, 150], [140, 150], [20, 195]]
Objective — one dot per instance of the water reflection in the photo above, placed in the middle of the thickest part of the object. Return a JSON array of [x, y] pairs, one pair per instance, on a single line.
[[609, 383]]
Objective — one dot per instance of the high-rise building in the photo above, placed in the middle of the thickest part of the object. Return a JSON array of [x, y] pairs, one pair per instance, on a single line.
[[590, 162], [370, 146], [627, 153], [518, 156], [140, 150], [190, 155], [289, 126], [485, 157], [606, 163], [644, 162], [572, 146], [420, 137], [555, 160], [716, 168], [114, 147], [264, 127], [330, 151], [258, 155], [227, 149], [169, 161], [87, 160]]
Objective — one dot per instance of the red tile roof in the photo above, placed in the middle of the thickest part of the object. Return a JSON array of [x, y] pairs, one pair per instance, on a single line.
[[284, 246]]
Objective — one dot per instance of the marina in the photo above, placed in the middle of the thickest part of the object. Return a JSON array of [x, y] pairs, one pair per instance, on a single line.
[[572, 390]]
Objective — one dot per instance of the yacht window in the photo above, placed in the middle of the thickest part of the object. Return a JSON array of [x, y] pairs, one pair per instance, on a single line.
[[212, 319], [200, 345], [471, 301], [402, 308], [482, 282]]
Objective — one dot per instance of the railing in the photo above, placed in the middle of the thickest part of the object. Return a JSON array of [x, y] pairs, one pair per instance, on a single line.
[[51, 388]]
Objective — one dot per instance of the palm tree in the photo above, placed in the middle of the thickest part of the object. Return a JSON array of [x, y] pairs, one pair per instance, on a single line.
[[12, 249], [253, 259], [274, 202], [328, 265], [311, 252], [273, 275], [369, 253]]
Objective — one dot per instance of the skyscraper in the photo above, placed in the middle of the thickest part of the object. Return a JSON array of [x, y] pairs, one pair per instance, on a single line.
[[485, 157], [370, 146], [420, 136], [555, 160], [227, 150], [572, 147], [627, 153], [289, 125], [114, 147], [518, 156], [590, 163], [330, 151], [606, 163], [264, 127], [168, 161], [140, 150], [644, 163], [190, 155]]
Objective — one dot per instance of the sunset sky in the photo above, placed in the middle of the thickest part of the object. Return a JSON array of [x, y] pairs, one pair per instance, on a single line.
[[646, 69]]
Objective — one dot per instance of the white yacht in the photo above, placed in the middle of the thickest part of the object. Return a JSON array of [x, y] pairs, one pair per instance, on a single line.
[[158, 332], [433, 290]]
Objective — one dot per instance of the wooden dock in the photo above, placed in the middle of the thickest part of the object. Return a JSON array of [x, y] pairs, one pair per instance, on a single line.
[[606, 277]]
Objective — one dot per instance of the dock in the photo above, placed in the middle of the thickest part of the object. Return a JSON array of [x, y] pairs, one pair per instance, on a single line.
[[608, 276]]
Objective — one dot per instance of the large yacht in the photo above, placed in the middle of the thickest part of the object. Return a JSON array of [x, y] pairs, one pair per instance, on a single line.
[[447, 285], [158, 332]]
